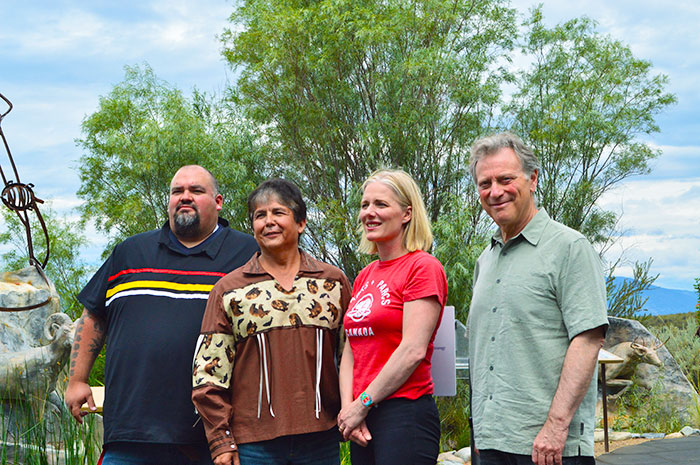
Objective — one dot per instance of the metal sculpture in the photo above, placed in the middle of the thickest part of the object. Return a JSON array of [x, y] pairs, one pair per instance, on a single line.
[[19, 197]]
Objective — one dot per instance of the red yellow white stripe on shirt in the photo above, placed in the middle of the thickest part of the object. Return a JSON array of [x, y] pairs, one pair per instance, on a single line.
[[160, 289]]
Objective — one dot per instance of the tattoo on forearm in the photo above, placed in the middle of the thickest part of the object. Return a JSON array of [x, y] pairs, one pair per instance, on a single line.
[[76, 345], [73, 358], [96, 346], [99, 327]]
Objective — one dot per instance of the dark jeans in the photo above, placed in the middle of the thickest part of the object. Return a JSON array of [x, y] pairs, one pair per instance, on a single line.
[[137, 453], [404, 432], [320, 448], [496, 457]]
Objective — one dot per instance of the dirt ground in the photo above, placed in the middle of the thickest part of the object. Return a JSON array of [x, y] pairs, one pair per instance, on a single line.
[[599, 447]]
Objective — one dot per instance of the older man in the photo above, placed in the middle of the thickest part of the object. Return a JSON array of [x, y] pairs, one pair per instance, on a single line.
[[148, 299], [536, 323]]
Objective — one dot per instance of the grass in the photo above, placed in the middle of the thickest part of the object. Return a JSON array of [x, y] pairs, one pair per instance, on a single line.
[[454, 418], [684, 346], [44, 434], [45, 438], [345, 453], [646, 411]]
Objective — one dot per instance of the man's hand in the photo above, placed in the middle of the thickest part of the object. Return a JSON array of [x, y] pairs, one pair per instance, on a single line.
[[78, 393], [576, 374], [227, 458], [87, 343], [549, 444]]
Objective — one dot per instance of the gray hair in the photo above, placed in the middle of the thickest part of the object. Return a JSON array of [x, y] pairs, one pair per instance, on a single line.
[[489, 145], [285, 191]]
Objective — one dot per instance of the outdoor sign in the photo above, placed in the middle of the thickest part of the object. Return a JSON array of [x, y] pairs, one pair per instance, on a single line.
[[443, 361]]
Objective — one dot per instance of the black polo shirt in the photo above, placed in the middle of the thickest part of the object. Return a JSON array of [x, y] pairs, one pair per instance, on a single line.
[[151, 293]]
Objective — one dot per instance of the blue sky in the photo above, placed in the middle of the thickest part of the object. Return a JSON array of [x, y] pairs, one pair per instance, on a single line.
[[57, 57]]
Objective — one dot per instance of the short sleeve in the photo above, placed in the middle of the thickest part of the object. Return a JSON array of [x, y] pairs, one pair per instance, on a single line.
[[581, 289], [94, 294], [426, 278]]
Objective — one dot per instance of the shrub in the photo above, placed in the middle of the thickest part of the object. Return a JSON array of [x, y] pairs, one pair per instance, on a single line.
[[31, 433], [685, 348], [640, 410], [454, 418]]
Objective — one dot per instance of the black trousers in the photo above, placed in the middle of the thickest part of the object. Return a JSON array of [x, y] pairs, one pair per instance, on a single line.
[[496, 457], [404, 432]]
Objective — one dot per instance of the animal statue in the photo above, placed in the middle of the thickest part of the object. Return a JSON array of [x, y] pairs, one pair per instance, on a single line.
[[32, 373], [633, 353]]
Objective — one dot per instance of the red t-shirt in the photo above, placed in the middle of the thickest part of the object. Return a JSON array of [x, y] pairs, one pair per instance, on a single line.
[[374, 320]]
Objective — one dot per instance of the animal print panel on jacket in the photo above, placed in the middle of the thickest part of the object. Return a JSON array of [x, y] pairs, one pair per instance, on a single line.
[[265, 305], [213, 361]]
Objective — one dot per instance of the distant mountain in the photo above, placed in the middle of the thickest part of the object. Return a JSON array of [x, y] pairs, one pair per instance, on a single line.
[[663, 301]]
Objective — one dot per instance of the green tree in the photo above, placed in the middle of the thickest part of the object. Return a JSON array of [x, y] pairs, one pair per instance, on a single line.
[[343, 87], [626, 297], [143, 131], [583, 105], [66, 240], [462, 233]]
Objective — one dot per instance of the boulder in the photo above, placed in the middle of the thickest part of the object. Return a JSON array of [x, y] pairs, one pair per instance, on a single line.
[[465, 453], [690, 431], [24, 329], [449, 458], [34, 348], [680, 394], [34, 344]]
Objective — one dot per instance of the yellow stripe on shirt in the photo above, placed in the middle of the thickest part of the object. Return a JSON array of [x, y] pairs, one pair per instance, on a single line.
[[159, 285]]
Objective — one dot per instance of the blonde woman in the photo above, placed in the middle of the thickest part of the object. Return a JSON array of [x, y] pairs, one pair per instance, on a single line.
[[388, 411]]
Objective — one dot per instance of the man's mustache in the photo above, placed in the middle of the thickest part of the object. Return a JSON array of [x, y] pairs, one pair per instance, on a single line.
[[186, 204]]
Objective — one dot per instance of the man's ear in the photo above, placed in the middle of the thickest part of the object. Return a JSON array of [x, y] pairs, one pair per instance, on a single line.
[[533, 181]]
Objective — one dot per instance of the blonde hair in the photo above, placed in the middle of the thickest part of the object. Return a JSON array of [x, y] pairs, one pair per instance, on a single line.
[[417, 233]]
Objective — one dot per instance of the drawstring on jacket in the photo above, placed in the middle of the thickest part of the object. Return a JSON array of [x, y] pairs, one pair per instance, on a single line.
[[263, 369], [319, 360], [264, 372]]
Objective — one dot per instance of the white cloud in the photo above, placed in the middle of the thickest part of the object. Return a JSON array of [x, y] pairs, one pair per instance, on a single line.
[[50, 33], [660, 220], [47, 115]]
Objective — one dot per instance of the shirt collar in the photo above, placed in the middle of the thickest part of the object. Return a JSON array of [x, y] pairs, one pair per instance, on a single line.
[[307, 265], [209, 246], [532, 232]]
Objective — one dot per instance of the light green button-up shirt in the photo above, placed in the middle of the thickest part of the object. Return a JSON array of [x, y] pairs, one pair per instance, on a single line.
[[532, 295]]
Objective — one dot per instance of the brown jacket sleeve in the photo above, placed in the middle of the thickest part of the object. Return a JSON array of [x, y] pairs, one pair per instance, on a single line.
[[211, 375]]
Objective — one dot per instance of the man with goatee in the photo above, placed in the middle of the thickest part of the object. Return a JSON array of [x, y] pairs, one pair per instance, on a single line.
[[147, 302]]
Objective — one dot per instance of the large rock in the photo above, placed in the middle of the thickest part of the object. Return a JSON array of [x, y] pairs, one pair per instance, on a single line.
[[679, 393], [24, 329], [34, 344], [34, 348]]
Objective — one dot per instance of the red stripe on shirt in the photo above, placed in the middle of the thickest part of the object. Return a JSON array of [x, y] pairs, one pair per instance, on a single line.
[[156, 270]]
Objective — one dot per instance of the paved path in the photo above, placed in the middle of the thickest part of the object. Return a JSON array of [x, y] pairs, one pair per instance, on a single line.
[[658, 452]]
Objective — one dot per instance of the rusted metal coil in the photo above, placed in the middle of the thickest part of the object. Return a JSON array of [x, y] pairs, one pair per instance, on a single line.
[[20, 198]]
